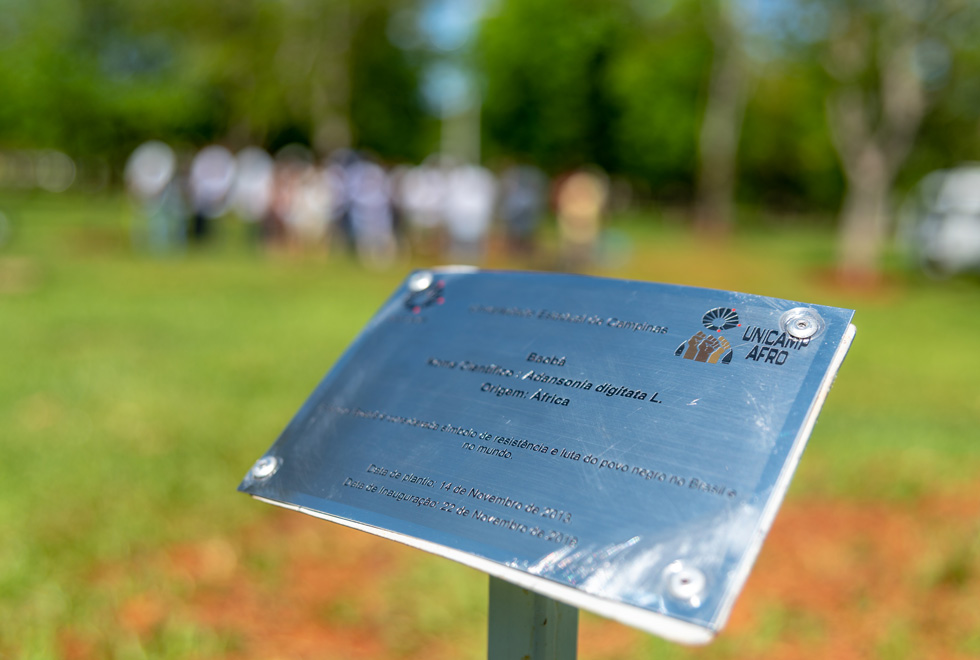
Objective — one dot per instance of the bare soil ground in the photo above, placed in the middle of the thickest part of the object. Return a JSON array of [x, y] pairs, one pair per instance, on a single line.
[[836, 579]]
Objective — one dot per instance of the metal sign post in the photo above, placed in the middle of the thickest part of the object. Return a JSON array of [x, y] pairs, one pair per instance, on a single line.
[[524, 625]]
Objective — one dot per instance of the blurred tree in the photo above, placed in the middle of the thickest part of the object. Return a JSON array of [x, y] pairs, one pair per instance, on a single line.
[[642, 89], [546, 64], [950, 133], [101, 76], [74, 76], [787, 162], [656, 81], [615, 83], [267, 69], [721, 123], [888, 60], [785, 158], [386, 108]]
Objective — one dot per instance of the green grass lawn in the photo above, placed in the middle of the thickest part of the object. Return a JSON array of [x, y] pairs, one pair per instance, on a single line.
[[136, 391]]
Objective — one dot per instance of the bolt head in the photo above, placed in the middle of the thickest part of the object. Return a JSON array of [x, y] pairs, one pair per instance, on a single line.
[[801, 322], [686, 583], [420, 281], [265, 467]]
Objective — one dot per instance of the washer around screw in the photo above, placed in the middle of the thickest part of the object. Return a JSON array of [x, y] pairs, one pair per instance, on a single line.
[[801, 322], [265, 467], [420, 281], [686, 583]]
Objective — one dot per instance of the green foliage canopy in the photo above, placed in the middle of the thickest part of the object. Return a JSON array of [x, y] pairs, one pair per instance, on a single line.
[[618, 83]]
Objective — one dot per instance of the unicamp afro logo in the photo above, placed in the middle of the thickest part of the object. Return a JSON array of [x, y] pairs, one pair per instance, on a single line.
[[707, 347]]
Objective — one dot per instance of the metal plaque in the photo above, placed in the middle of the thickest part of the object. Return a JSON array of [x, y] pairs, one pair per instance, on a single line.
[[619, 446]]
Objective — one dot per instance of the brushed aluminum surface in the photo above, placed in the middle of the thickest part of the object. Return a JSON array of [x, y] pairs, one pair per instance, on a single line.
[[619, 446]]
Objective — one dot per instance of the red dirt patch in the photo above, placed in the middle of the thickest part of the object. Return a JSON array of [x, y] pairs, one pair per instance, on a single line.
[[863, 577], [835, 580]]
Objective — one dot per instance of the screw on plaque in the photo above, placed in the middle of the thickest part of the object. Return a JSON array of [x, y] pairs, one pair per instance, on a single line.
[[420, 281], [265, 467], [685, 583], [801, 322]]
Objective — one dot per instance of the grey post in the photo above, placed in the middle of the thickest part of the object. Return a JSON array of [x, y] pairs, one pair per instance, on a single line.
[[524, 625]]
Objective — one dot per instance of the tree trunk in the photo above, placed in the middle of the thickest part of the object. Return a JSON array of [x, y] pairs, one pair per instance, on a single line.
[[873, 131], [864, 217], [330, 80], [721, 125]]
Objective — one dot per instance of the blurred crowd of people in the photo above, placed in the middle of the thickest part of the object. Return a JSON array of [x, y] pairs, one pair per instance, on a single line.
[[49, 170], [440, 208]]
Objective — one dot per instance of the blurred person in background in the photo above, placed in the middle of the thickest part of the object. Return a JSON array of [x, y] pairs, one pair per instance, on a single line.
[[291, 162], [470, 195], [340, 168], [422, 197], [151, 180], [309, 214], [523, 192], [251, 195], [371, 214], [333, 177], [283, 187], [580, 201], [209, 184]]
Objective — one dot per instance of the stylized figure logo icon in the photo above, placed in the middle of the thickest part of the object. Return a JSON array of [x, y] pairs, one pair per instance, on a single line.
[[702, 347]]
